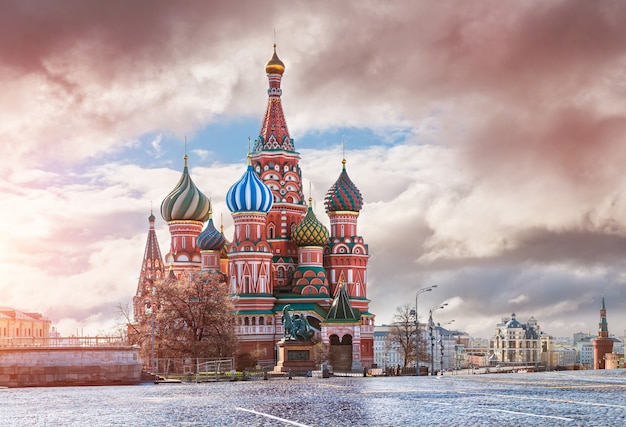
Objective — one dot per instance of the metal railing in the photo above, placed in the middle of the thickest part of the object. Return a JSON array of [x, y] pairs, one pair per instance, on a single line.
[[95, 341], [191, 369]]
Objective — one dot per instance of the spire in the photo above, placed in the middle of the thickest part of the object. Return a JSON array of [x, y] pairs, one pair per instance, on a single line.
[[171, 276], [274, 134], [151, 268], [341, 310], [152, 263], [603, 327]]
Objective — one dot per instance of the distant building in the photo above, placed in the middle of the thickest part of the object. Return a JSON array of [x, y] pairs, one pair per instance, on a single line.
[[516, 343], [443, 342], [566, 356], [584, 348], [476, 353], [602, 345], [19, 328], [386, 352]]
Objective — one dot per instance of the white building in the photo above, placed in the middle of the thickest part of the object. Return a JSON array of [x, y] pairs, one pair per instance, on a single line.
[[386, 353], [585, 352], [516, 343]]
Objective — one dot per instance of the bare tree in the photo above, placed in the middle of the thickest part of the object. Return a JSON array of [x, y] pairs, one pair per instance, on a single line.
[[125, 327], [402, 333], [321, 352], [189, 317]]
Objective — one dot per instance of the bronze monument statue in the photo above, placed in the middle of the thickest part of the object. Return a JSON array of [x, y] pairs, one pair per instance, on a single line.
[[296, 326]]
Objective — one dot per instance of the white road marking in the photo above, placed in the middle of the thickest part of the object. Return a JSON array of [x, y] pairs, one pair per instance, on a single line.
[[273, 417], [576, 402], [529, 414]]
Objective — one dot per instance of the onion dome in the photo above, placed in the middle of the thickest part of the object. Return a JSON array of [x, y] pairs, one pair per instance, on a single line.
[[275, 65], [310, 232], [185, 202], [343, 195], [210, 239], [249, 194]]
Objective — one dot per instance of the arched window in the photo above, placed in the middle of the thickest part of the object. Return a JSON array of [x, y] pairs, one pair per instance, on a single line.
[[270, 232]]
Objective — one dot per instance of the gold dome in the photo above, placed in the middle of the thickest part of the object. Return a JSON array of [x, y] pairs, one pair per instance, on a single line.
[[275, 65]]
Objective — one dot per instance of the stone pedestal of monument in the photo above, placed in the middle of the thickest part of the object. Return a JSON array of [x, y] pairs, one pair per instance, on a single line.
[[295, 356]]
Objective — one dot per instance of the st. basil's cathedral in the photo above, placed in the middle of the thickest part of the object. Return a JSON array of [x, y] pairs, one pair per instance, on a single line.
[[280, 253]]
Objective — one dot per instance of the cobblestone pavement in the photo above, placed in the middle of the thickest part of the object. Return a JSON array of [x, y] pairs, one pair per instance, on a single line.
[[587, 398]]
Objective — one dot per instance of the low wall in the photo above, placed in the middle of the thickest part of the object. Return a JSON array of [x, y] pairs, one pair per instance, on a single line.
[[69, 366]]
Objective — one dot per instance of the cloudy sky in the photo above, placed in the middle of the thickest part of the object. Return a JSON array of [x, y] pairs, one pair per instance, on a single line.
[[488, 139]]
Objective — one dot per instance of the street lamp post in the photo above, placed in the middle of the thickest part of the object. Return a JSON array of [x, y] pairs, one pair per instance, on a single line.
[[417, 328], [441, 360], [441, 341], [432, 337]]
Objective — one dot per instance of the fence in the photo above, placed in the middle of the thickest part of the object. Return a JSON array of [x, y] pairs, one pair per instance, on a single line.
[[96, 341], [192, 370]]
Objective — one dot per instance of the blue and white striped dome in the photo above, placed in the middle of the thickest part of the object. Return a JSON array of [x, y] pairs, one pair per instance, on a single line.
[[249, 194]]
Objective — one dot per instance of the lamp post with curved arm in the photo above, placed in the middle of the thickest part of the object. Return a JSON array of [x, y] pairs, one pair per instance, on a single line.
[[417, 328], [432, 337], [442, 348]]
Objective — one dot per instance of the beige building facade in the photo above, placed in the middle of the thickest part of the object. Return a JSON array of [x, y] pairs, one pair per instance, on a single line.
[[19, 328]]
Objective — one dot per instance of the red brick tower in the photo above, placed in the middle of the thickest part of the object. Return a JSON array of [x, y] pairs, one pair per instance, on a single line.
[[603, 344]]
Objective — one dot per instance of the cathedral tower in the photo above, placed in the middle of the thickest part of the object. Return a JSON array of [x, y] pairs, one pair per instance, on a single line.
[[346, 260], [311, 236], [275, 160], [347, 253], [151, 269], [250, 264], [185, 209]]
